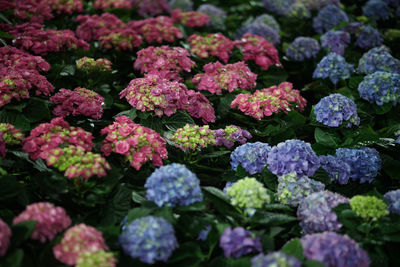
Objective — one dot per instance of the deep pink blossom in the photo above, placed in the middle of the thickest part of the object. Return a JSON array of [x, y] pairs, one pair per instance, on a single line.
[[214, 44], [13, 57], [198, 106], [120, 39], [66, 7], [106, 4], [34, 10], [5, 235], [151, 7], [95, 26], [189, 18]]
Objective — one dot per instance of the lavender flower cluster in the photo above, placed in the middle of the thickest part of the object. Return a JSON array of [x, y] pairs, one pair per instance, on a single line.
[[216, 15], [238, 241], [269, 21], [393, 198], [335, 41], [303, 48], [231, 134], [334, 67], [279, 7], [380, 87], [376, 10], [378, 59], [329, 17], [278, 259], [259, 29], [337, 169], [367, 36], [251, 156]]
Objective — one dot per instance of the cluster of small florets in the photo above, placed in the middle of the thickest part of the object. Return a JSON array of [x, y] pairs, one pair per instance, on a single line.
[[95, 26], [137, 143], [303, 48], [319, 4], [393, 199], [315, 212], [218, 77], [231, 134], [34, 10], [78, 239], [334, 249], [173, 185], [106, 4], [279, 7], [80, 101], [159, 29], [298, 11], [193, 137], [10, 134], [150, 8], [334, 67], [5, 236], [380, 88], [184, 5], [13, 57], [89, 64], [67, 7], [189, 18], [336, 109], [31, 36], [149, 239], [251, 156], [293, 189], [215, 44], [248, 194], [335, 41], [259, 50], [50, 220], [238, 241], [216, 15], [376, 10], [259, 29], [120, 39], [367, 36], [97, 258], [269, 21], [198, 106], [329, 17], [370, 208], [337, 169], [167, 62], [378, 59], [278, 259]]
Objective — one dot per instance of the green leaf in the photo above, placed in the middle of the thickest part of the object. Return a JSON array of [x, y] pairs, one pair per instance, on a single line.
[[325, 138], [136, 213], [117, 208], [224, 106], [271, 219], [152, 122], [37, 110], [188, 254], [198, 206], [131, 114], [13, 259], [294, 248], [137, 198], [177, 120], [216, 192], [385, 108], [68, 70], [313, 263], [215, 154], [391, 166], [16, 119], [21, 232], [37, 164], [9, 187]]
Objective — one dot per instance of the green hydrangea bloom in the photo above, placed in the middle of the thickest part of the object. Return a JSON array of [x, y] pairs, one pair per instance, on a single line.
[[369, 208], [99, 258]]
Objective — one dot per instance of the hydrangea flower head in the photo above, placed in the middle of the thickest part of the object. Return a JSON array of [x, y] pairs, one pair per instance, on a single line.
[[251, 156], [329, 17], [173, 185], [5, 235], [95, 26], [293, 156], [238, 241], [231, 134], [11, 135], [378, 59], [292, 189], [367, 37], [50, 219], [97, 258], [151, 7], [215, 44], [303, 48], [336, 109], [193, 137], [370, 208], [149, 239], [334, 249], [335, 41], [269, 21], [337, 169], [279, 7], [190, 18], [216, 15], [13, 57], [376, 10], [315, 212], [78, 239], [278, 259], [397, 135], [319, 4], [120, 39], [298, 11], [259, 29], [184, 5], [380, 87], [334, 67], [204, 233], [106, 4], [393, 198], [89, 64], [249, 194]]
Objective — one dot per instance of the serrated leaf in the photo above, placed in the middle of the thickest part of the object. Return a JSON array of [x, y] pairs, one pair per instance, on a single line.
[[14, 259], [137, 198], [216, 192], [294, 248], [177, 120], [36, 110], [325, 138], [37, 164], [68, 70], [21, 232]]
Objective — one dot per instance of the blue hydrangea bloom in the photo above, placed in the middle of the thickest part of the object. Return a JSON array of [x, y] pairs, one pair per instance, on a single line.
[[380, 87], [334, 67], [303, 48], [184, 5], [259, 29], [149, 239], [337, 169], [276, 259], [217, 15], [238, 241], [336, 109], [364, 163], [298, 11], [315, 212], [378, 59], [252, 157], [393, 198], [335, 41], [397, 134], [204, 233], [173, 185], [293, 156], [329, 17], [269, 21], [319, 4], [279, 7], [368, 37], [376, 10], [227, 185]]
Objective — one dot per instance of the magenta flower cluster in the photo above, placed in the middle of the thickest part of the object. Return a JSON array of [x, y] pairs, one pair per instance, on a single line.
[[106, 4], [5, 236], [214, 44], [150, 7], [121, 39], [189, 18]]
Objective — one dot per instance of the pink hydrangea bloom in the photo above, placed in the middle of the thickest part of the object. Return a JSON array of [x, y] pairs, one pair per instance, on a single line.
[[259, 50], [32, 36], [159, 29], [165, 61], [34, 10], [137, 143], [218, 77], [285, 91], [13, 57], [5, 235], [193, 137], [50, 220], [198, 106], [189, 18], [120, 39], [151, 7], [76, 240], [106, 4], [81, 101], [89, 64], [215, 44], [231, 134], [99, 258], [95, 26], [67, 7]]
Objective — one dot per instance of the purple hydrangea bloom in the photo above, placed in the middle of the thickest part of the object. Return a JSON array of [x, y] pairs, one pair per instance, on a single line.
[[269, 21], [393, 197], [252, 157], [293, 156], [380, 87], [238, 135], [277, 259], [329, 17], [238, 241], [334, 250], [338, 170], [364, 163], [397, 134], [204, 233], [368, 37], [376, 10], [334, 67], [335, 41], [184, 5], [315, 212], [173, 185], [279, 7], [378, 59], [319, 4], [259, 29], [303, 48], [336, 109], [217, 15], [227, 185], [149, 238]]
